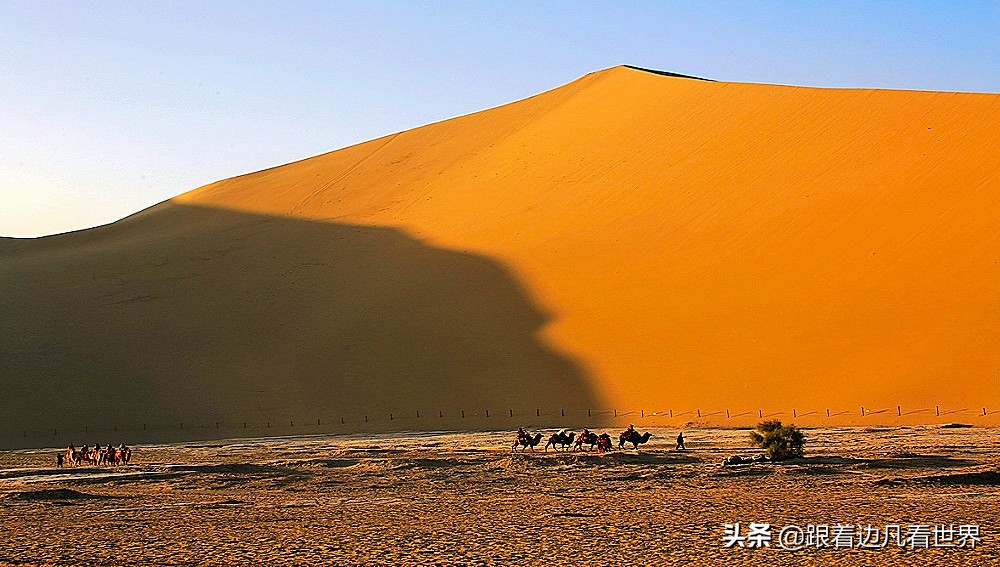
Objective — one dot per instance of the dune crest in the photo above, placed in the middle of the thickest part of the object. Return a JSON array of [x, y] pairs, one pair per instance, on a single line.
[[694, 244]]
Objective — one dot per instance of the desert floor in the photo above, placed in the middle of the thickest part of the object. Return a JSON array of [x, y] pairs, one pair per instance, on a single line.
[[443, 498]]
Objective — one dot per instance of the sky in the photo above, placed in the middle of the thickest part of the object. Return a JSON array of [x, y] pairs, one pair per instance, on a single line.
[[108, 108]]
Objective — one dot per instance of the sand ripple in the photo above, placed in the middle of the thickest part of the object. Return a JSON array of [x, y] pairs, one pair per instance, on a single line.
[[465, 499]]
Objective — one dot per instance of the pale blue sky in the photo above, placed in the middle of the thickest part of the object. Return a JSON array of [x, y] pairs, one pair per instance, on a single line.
[[107, 108]]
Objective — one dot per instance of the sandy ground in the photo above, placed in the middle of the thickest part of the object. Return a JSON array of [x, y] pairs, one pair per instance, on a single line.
[[464, 499]]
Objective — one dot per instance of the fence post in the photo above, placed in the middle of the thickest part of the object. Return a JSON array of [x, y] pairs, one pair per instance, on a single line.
[[671, 414], [727, 414], [487, 413], [616, 413], [538, 413], [418, 413], [563, 413], [512, 413], [463, 414], [899, 411], [588, 412], [642, 413], [699, 412], [760, 414], [795, 413], [862, 411], [827, 412], [937, 410], [390, 416]]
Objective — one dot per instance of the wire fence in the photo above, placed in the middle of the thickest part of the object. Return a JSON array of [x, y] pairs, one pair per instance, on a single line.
[[488, 419]]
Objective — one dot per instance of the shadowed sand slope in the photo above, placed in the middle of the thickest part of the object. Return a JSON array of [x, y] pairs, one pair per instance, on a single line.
[[705, 243], [193, 314], [697, 244]]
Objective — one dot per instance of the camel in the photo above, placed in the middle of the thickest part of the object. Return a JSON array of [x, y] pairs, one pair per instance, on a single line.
[[634, 438], [587, 438], [89, 457], [604, 442], [115, 456], [527, 442], [77, 458], [564, 439], [110, 456]]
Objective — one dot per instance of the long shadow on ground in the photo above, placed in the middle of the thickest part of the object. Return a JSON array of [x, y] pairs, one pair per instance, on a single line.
[[188, 322]]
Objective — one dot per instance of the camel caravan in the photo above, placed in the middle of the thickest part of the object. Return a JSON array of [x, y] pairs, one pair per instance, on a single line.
[[97, 456], [601, 442]]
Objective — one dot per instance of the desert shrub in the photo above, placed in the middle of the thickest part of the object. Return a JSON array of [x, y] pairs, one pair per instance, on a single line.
[[778, 441]]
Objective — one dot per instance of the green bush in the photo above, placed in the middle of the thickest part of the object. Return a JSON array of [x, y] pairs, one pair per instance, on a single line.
[[778, 441]]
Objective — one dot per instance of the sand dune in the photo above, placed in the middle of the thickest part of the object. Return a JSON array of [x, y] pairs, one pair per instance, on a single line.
[[629, 240], [238, 324]]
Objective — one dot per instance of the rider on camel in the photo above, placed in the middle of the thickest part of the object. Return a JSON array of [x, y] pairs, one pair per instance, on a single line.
[[603, 442]]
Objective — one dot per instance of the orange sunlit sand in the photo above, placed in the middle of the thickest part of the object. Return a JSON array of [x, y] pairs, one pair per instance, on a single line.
[[629, 240]]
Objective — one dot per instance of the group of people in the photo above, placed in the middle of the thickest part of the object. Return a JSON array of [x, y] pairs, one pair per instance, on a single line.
[[107, 455]]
